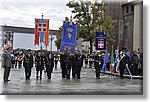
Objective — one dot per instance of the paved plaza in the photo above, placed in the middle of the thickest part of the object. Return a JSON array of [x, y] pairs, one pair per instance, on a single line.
[[87, 85]]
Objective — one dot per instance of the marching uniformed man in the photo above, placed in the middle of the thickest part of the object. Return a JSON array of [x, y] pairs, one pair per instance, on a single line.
[[48, 62], [73, 66], [62, 64], [68, 65], [63, 58], [78, 62], [28, 64], [40, 64]]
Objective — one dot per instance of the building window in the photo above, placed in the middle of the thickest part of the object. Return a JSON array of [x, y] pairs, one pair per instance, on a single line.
[[132, 8], [127, 9]]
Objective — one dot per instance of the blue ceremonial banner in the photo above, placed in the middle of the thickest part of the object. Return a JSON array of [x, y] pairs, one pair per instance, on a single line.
[[69, 37], [100, 40]]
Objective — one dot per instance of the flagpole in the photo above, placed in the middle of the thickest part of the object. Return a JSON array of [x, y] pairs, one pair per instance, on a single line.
[[41, 41]]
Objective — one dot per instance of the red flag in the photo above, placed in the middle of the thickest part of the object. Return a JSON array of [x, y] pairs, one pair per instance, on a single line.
[[46, 33], [37, 33], [42, 31]]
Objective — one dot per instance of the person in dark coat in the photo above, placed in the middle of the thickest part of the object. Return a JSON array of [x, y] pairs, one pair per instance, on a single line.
[[56, 58], [68, 65], [28, 64], [135, 62], [73, 66], [91, 59], [97, 64], [63, 58], [78, 62], [12, 60], [48, 62], [122, 65], [86, 61], [128, 61], [20, 58], [16, 53], [40, 64], [141, 62], [62, 64], [52, 58]]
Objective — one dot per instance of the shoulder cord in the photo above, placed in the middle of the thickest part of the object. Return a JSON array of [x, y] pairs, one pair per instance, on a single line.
[[26, 58]]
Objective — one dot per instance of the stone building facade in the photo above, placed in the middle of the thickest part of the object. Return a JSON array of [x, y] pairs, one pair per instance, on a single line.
[[114, 10], [131, 26]]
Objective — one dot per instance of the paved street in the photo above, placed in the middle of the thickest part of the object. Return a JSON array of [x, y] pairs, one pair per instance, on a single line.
[[87, 85]]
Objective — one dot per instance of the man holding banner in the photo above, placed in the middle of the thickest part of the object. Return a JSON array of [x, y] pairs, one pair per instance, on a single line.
[[100, 45], [69, 37]]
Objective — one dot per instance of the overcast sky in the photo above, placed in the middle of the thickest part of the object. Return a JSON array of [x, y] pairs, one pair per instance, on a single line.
[[23, 12]]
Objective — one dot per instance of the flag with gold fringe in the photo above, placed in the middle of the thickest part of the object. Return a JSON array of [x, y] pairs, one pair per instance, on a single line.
[[41, 31]]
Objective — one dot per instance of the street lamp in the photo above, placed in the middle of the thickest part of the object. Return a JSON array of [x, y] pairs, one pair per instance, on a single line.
[[51, 42]]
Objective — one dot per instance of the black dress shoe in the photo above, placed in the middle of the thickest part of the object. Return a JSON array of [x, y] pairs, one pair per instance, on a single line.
[[8, 80], [5, 81]]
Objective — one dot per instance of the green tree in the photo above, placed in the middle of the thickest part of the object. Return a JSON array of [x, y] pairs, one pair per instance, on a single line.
[[91, 18], [59, 36]]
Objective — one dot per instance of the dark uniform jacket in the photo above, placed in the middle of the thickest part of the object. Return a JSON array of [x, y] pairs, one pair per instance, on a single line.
[[96, 60], [28, 61], [40, 63], [78, 60], [135, 59], [123, 62], [49, 63]]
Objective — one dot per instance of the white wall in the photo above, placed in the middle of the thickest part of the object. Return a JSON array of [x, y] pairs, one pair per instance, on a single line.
[[25, 41]]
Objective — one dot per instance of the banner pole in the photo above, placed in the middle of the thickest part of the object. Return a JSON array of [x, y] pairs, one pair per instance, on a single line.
[[41, 46], [129, 72], [41, 41]]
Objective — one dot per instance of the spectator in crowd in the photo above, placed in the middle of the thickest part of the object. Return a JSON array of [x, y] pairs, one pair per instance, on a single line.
[[135, 62], [56, 58], [6, 64]]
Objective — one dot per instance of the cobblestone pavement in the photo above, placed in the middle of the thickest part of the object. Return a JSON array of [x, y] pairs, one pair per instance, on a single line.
[[87, 85]]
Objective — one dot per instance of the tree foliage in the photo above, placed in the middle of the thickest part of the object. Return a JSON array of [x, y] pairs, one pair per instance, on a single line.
[[91, 18], [59, 37]]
